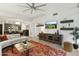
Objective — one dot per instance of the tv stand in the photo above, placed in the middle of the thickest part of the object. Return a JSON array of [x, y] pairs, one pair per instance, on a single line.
[[54, 38]]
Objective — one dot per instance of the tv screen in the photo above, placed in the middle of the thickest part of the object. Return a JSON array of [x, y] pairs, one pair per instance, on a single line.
[[51, 25]]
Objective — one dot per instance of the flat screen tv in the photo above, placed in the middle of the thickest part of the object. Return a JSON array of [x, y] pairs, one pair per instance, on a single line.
[[51, 25]]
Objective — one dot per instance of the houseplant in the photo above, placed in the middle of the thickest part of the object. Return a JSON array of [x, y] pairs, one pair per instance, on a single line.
[[75, 37]]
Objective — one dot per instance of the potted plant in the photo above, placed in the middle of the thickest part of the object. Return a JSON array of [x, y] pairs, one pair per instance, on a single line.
[[75, 37]]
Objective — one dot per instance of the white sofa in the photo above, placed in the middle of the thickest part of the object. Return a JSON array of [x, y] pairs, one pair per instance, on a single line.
[[12, 39]]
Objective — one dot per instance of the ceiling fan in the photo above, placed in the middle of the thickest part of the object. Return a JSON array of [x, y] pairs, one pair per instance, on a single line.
[[33, 7]]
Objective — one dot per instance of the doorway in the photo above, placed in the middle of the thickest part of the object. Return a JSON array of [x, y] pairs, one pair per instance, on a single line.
[[0, 29]]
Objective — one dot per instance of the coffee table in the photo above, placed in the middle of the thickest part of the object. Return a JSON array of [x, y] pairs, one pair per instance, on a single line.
[[25, 49]]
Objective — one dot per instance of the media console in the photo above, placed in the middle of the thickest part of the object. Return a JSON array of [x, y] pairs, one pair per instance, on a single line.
[[54, 38]]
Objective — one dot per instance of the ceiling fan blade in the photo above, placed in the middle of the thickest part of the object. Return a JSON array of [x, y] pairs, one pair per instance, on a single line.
[[23, 6], [41, 5], [33, 4], [29, 5], [31, 11]]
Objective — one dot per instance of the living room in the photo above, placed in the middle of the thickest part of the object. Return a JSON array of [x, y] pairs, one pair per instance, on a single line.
[[51, 28]]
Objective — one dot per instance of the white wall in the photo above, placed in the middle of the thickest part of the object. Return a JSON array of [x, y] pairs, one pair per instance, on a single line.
[[68, 14]]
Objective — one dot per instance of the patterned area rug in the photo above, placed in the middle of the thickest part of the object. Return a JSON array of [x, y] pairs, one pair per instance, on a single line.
[[39, 50]]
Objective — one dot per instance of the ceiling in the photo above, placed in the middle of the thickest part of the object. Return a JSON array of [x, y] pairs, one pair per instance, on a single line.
[[12, 10]]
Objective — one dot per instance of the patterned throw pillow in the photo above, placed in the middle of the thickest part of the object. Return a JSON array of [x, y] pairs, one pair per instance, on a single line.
[[4, 37], [0, 38]]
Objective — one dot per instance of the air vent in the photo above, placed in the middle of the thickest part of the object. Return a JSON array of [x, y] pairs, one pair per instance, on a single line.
[[54, 14]]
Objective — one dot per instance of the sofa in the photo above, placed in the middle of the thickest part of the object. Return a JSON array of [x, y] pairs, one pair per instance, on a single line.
[[11, 39]]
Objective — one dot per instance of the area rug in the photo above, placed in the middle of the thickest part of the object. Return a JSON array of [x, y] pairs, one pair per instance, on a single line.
[[39, 50]]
